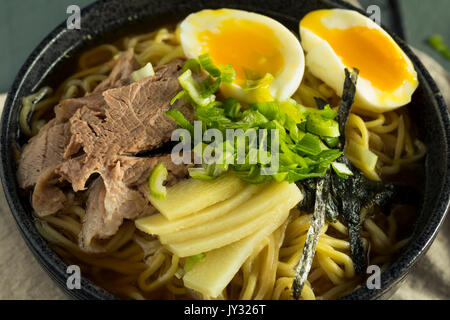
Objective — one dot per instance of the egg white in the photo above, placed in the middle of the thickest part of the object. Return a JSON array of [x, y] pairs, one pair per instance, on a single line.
[[325, 64], [284, 84]]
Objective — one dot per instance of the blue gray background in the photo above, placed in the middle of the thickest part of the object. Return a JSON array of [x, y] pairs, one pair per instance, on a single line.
[[24, 23]]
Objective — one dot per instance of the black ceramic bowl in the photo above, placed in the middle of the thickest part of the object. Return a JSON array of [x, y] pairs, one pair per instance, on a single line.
[[106, 20]]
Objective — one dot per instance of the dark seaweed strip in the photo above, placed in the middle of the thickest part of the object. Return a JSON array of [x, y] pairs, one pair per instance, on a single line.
[[351, 210], [348, 97], [332, 210], [312, 237], [353, 194], [345, 196], [320, 103], [308, 187]]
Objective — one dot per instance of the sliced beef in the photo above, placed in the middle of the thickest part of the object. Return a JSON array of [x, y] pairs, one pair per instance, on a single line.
[[120, 76], [138, 110], [67, 107], [93, 221], [48, 198], [134, 122], [121, 193], [98, 134], [139, 169], [43, 152], [37, 168], [121, 73]]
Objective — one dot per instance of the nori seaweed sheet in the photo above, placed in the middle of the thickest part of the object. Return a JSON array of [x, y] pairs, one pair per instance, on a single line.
[[312, 237], [346, 103], [330, 195]]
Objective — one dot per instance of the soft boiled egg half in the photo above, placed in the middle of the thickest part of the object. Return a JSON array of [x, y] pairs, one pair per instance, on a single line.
[[336, 39], [252, 43]]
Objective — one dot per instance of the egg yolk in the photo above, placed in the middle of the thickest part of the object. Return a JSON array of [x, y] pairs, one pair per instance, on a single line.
[[377, 57], [251, 47]]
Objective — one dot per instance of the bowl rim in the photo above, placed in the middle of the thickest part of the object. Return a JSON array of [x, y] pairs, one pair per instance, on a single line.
[[54, 265]]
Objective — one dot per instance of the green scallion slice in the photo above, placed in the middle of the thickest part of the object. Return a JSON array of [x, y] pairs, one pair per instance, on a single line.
[[200, 174], [325, 128], [310, 144], [156, 180], [144, 72], [207, 64], [341, 169], [192, 260], [191, 87], [193, 65]]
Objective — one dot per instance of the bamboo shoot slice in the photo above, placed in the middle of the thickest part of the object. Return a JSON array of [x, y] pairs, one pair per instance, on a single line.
[[193, 195], [211, 275], [269, 197], [160, 225], [221, 239]]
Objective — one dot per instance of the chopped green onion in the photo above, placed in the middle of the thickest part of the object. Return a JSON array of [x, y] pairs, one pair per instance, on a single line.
[[268, 109], [307, 135], [191, 87], [252, 119], [180, 95], [200, 174], [208, 87], [331, 142], [215, 170], [341, 169], [310, 144], [290, 109], [231, 108], [327, 113], [156, 180], [259, 89], [253, 176], [207, 64], [180, 119], [193, 65], [294, 131], [326, 128], [192, 260], [228, 74], [144, 72], [264, 82], [280, 176]]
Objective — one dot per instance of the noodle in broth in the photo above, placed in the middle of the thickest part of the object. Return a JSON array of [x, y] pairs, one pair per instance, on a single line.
[[138, 266]]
